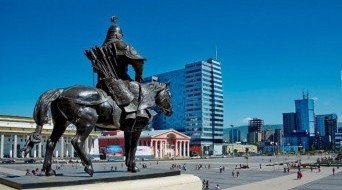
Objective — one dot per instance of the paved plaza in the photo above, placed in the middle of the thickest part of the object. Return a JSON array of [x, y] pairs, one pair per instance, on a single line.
[[269, 176]]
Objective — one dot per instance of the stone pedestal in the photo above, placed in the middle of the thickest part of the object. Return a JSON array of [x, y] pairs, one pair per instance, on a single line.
[[165, 183], [147, 179]]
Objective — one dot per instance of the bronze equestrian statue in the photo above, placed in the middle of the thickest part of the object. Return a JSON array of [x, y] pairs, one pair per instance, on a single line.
[[116, 104], [87, 108]]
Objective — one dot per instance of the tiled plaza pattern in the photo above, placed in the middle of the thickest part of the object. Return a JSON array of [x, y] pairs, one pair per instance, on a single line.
[[268, 177]]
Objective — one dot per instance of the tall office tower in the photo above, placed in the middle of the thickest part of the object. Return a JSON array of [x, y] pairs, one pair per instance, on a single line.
[[255, 125], [289, 123], [326, 127], [204, 105], [255, 130], [197, 93], [305, 115], [175, 80]]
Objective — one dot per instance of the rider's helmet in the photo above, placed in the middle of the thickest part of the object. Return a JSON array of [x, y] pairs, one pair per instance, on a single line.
[[114, 35], [114, 32]]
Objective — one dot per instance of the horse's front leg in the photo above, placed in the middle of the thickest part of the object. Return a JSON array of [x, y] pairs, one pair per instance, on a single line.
[[131, 143]]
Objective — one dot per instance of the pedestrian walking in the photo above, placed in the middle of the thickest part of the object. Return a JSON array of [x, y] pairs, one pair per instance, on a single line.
[[299, 174], [217, 187], [333, 170], [237, 173], [233, 173], [260, 166]]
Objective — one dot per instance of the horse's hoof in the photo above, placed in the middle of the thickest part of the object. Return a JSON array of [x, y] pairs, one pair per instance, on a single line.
[[133, 169], [89, 171], [50, 173]]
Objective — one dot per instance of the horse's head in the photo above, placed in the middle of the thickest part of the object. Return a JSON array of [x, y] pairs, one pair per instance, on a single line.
[[163, 99]]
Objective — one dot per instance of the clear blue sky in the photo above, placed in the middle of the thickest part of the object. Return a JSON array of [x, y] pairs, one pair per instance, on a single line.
[[270, 51]]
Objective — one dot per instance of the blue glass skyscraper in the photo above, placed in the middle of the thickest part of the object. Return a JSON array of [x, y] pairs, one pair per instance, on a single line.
[[305, 115], [176, 81], [204, 105], [197, 98]]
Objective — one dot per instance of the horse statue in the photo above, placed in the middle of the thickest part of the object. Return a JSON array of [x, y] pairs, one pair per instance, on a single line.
[[87, 108]]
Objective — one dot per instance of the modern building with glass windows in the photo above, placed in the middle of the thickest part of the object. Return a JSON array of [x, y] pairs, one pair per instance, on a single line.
[[198, 88], [176, 81], [305, 115], [204, 105], [326, 129], [289, 123], [299, 127]]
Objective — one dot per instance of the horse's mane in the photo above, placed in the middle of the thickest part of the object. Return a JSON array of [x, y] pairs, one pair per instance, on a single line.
[[155, 86]]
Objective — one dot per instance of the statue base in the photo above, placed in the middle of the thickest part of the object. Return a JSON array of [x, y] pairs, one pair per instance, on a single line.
[[145, 180]]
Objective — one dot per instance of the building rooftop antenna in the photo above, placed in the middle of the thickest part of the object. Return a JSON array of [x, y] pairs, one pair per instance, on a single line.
[[217, 59]]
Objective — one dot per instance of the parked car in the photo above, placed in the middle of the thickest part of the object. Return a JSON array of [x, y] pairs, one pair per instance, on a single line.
[[75, 161], [30, 160], [61, 161], [8, 161]]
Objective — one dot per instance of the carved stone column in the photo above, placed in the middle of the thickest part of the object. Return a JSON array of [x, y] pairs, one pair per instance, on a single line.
[[15, 146], [2, 146]]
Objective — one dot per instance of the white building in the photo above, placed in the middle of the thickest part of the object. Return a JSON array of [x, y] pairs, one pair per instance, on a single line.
[[15, 130]]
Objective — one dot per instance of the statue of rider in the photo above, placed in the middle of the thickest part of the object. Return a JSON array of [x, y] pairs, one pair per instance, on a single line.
[[126, 54], [123, 89], [128, 95]]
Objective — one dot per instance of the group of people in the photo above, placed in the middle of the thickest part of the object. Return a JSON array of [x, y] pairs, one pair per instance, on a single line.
[[237, 173], [35, 172], [178, 167], [205, 185], [221, 168], [243, 166]]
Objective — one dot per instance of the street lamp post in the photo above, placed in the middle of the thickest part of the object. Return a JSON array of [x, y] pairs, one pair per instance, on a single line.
[[232, 126], [274, 147]]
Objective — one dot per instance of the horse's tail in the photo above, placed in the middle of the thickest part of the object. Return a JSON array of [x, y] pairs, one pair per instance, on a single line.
[[41, 117]]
